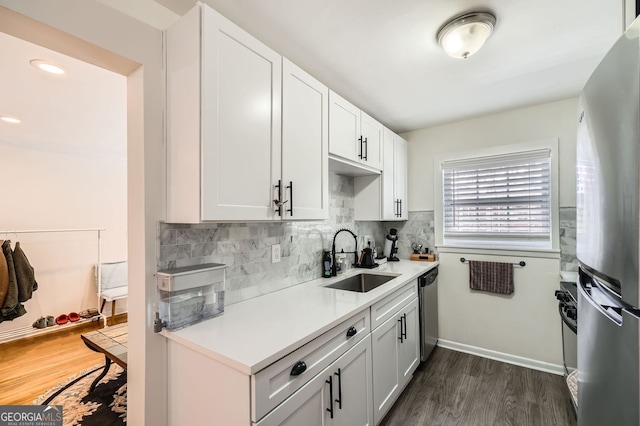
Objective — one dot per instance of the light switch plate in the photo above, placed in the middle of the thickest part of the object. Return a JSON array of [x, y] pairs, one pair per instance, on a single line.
[[275, 253]]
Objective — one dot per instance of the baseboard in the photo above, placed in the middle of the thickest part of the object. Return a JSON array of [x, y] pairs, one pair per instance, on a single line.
[[24, 334], [504, 357]]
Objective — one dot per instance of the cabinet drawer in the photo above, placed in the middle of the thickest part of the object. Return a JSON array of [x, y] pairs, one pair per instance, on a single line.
[[389, 306], [271, 386]]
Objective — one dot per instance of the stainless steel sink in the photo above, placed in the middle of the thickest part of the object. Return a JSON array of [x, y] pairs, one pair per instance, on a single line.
[[361, 282]]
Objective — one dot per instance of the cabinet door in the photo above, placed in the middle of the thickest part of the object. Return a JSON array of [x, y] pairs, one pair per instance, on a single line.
[[371, 131], [305, 157], [400, 176], [409, 348], [389, 202], [354, 386], [307, 406], [241, 124], [385, 367], [344, 128]]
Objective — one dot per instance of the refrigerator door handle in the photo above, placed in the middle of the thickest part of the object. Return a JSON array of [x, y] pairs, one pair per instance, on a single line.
[[613, 313]]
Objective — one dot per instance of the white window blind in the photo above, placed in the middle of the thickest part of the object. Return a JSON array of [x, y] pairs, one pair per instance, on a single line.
[[500, 197]]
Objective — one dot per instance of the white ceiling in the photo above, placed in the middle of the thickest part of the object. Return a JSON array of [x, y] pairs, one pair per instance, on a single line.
[[382, 55], [379, 54], [83, 111]]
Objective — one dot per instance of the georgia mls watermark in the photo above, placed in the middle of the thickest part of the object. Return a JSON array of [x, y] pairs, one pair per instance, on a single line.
[[30, 415]]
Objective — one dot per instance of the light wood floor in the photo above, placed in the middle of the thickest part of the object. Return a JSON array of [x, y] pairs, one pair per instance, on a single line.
[[454, 388], [29, 367]]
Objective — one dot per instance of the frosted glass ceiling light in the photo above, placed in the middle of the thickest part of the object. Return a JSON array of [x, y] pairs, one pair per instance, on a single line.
[[463, 36], [47, 66]]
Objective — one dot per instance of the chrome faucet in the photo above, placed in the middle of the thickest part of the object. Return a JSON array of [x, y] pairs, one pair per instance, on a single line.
[[334, 271]]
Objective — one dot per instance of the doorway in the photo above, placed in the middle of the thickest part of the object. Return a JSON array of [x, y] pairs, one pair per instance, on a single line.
[[95, 33]]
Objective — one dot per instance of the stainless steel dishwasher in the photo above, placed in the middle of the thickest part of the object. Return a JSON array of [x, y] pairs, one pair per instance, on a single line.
[[428, 299]]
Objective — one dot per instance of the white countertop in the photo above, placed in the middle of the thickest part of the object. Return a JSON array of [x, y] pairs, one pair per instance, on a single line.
[[253, 334], [569, 276]]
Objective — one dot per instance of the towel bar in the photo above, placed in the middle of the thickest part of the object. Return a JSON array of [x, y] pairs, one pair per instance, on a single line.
[[521, 263]]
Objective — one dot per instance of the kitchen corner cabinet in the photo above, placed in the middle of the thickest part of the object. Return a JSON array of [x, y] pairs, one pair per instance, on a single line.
[[225, 143], [394, 177], [396, 355], [353, 134], [384, 197]]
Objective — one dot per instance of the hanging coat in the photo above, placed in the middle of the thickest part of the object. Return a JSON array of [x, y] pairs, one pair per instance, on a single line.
[[4, 277], [11, 308], [25, 275]]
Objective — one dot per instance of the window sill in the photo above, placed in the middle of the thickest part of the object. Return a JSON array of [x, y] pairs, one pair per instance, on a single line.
[[501, 251]]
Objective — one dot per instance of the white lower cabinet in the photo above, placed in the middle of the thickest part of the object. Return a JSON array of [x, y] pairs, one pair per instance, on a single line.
[[347, 376], [396, 355], [409, 346], [339, 395]]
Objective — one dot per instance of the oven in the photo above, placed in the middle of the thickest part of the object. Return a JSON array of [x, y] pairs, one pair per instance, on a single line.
[[568, 309]]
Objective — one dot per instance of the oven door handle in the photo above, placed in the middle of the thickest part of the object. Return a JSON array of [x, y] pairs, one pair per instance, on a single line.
[[566, 320]]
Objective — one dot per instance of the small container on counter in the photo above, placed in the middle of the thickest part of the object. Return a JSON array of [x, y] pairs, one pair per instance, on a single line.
[[191, 294]]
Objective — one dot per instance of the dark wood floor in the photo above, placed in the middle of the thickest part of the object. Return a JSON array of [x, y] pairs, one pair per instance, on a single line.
[[455, 388]]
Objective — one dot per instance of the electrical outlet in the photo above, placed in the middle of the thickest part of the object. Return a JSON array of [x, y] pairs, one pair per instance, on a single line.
[[368, 241], [275, 253]]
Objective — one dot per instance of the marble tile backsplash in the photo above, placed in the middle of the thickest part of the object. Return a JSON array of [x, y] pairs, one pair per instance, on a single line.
[[568, 259], [419, 228], [246, 247]]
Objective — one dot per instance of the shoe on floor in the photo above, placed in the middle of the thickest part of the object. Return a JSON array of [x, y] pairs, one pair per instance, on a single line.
[[88, 313], [73, 317], [62, 319], [40, 323], [51, 321]]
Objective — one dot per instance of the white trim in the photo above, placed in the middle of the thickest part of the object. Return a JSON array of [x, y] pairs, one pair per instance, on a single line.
[[504, 150], [504, 357], [506, 251]]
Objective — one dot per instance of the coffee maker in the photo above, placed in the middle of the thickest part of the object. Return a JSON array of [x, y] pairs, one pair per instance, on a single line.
[[391, 245]]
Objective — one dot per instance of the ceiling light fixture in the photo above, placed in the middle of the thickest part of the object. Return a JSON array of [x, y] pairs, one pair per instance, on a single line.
[[48, 66], [463, 36], [8, 119]]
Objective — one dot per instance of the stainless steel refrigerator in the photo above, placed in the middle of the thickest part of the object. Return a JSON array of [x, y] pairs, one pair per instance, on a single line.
[[608, 241]]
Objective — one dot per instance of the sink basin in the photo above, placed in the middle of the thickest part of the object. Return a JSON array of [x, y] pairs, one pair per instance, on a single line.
[[362, 282]]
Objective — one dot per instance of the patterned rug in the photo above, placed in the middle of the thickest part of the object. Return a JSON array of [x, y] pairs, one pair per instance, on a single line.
[[105, 406]]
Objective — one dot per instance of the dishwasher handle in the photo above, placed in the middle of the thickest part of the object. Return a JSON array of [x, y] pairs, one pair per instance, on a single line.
[[428, 278]]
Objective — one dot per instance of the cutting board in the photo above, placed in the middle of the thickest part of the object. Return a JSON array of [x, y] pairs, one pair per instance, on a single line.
[[423, 257]]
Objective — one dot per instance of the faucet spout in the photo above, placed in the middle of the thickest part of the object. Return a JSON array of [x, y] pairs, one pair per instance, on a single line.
[[334, 270]]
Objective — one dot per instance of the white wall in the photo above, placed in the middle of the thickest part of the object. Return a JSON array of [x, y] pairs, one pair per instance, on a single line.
[[525, 327], [552, 120], [59, 189], [95, 33], [66, 167]]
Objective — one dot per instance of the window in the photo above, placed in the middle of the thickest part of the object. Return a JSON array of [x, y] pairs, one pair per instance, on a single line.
[[500, 200]]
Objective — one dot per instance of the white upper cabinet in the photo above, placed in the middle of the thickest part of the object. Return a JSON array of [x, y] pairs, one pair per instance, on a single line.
[[354, 135], [394, 177], [384, 197], [305, 144], [371, 131], [344, 128], [226, 153]]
